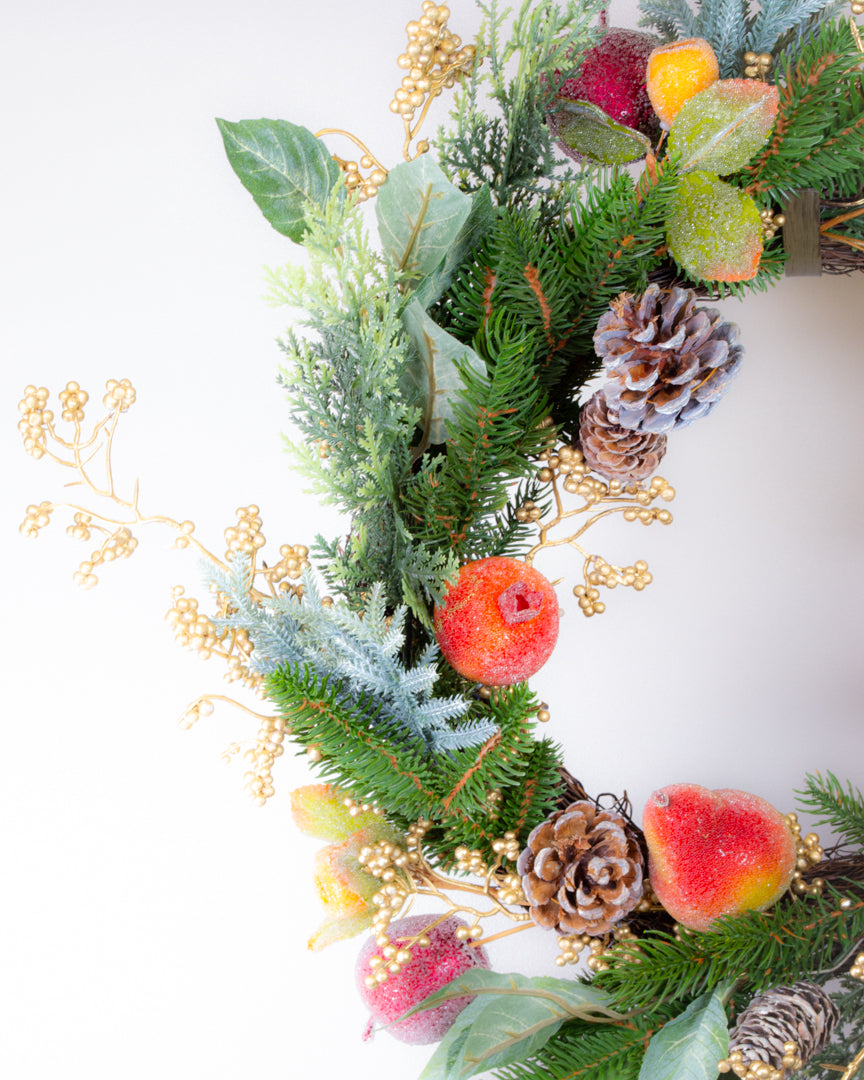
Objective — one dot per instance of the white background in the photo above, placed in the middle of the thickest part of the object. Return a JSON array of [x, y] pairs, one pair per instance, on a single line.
[[152, 921]]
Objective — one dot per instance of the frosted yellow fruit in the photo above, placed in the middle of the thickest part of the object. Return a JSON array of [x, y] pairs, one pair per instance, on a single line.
[[676, 72]]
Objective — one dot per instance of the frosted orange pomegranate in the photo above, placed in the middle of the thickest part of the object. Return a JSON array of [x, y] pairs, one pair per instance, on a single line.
[[498, 623]]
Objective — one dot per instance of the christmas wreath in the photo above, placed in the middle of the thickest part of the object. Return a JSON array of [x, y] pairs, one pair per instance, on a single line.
[[496, 339]]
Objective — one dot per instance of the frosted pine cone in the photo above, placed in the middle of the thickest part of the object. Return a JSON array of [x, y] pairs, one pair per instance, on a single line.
[[668, 362], [802, 1014], [581, 871], [616, 452]]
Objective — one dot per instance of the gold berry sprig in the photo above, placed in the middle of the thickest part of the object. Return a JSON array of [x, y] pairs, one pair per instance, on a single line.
[[564, 469], [110, 517], [405, 874], [433, 60]]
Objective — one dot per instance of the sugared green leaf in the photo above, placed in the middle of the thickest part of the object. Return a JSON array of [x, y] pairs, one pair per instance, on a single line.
[[713, 229], [721, 128], [689, 1047], [282, 166], [435, 370], [585, 131], [420, 215]]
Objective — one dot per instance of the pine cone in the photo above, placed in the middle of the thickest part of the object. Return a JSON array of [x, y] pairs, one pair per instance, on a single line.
[[668, 362], [613, 451], [582, 870], [802, 1014]]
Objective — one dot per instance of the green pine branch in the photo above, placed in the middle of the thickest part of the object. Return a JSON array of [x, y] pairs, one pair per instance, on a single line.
[[839, 806], [795, 939], [818, 138]]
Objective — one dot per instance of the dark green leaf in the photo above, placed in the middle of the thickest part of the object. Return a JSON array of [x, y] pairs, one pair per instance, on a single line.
[[282, 166]]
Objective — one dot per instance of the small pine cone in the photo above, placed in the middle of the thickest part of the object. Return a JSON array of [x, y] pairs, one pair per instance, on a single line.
[[668, 362], [582, 870], [802, 1013], [613, 451]]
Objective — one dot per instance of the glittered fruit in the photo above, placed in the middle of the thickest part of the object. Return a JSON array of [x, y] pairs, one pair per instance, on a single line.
[[714, 853], [714, 230], [602, 112], [676, 72], [612, 76], [719, 129], [498, 623], [424, 970]]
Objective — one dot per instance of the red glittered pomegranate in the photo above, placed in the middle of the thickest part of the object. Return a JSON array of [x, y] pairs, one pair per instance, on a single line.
[[602, 111], [612, 76]]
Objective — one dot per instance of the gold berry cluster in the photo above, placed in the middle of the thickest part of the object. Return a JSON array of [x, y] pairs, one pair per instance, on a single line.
[[36, 419], [564, 469], [771, 222], [809, 852], [762, 1070], [757, 65], [433, 59], [119, 545]]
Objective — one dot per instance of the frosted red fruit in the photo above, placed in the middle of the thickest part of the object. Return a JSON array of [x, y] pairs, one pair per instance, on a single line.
[[429, 968], [499, 621], [612, 76], [714, 853]]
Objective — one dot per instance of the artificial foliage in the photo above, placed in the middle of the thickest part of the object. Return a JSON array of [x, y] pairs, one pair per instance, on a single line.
[[444, 343]]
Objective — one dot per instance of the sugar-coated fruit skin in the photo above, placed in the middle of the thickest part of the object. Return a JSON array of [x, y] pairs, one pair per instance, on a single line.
[[498, 623], [714, 853], [676, 72], [612, 76], [713, 229], [445, 958]]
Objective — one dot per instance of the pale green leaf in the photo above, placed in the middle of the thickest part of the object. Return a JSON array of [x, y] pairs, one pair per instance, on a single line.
[[446, 1062], [689, 1047], [420, 214], [511, 1018], [283, 167], [434, 371], [719, 129], [480, 220]]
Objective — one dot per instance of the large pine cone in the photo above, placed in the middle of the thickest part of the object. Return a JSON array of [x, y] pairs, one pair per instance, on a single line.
[[613, 451], [668, 362], [802, 1013], [582, 870]]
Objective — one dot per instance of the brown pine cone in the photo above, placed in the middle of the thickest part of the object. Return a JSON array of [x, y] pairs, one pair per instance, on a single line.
[[613, 451], [582, 870], [668, 362]]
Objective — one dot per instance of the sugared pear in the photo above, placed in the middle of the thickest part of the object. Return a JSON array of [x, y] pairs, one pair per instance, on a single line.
[[714, 853]]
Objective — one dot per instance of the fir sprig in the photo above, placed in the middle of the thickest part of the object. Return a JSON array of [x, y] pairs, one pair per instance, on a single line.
[[761, 949], [839, 806], [818, 138]]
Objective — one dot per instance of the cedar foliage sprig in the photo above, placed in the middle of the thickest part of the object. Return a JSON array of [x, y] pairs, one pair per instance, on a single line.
[[513, 152]]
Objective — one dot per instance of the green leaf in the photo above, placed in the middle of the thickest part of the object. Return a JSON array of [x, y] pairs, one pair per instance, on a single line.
[[435, 369], [721, 128], [689, 1047], [585, 131], [447, 1059], [420, 215], [282, 166], [479, 222], [511, 1018]]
